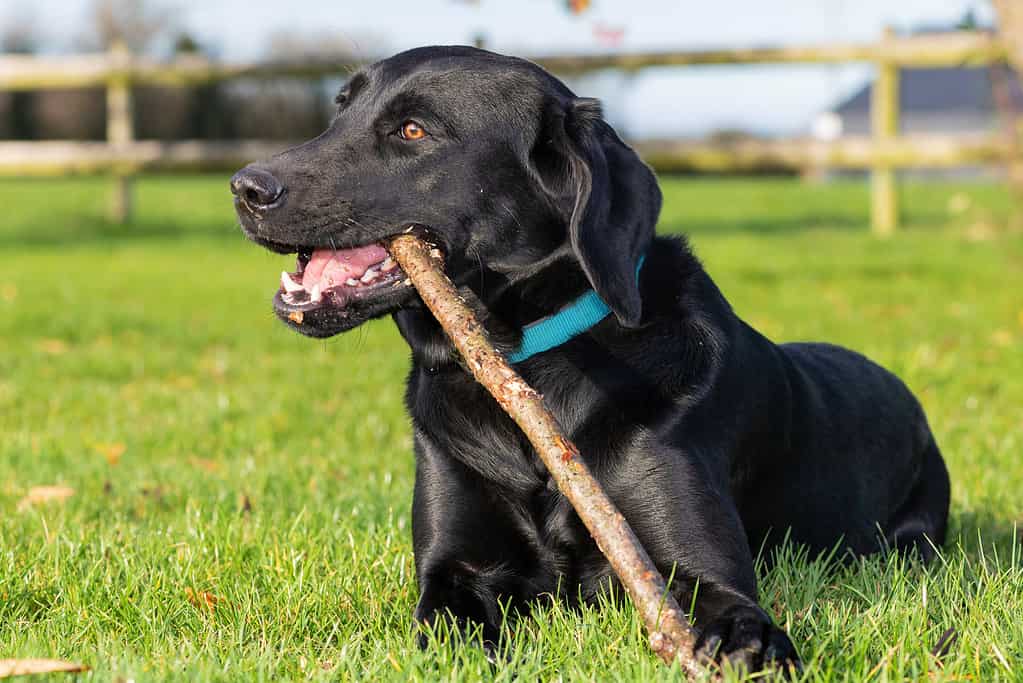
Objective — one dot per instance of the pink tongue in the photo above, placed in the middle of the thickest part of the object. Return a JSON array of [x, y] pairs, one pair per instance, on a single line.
[[330, 268]]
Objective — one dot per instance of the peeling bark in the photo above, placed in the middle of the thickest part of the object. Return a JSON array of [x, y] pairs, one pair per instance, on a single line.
[[671, 636]]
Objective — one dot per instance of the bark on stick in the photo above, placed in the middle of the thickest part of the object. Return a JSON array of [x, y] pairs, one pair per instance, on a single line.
[[671, 636]]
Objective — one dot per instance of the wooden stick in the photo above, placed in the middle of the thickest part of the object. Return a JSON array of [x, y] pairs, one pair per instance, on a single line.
[[671, 635]]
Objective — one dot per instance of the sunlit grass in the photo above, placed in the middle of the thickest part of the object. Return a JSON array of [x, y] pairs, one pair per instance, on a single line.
[[211, 449]]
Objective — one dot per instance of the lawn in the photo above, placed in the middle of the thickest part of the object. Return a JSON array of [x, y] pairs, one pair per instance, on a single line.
[[241, 494]]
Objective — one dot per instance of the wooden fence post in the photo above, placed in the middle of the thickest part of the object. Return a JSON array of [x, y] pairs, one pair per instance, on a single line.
[[120, 129], [885, 128], [1010, 34]]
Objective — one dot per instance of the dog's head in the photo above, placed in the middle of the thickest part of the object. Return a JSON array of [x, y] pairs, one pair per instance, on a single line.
[[492, 156]]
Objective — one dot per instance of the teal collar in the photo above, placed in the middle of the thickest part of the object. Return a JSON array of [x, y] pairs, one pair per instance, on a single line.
[[571, 321]]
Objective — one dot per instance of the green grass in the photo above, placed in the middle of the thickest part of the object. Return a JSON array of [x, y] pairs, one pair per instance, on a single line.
[[275, 471]]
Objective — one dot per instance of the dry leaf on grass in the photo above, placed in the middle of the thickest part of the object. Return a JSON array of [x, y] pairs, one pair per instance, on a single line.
[[45, 494], [202, 599], [111, 451], [53, 347], [205, 464], [27, 667]]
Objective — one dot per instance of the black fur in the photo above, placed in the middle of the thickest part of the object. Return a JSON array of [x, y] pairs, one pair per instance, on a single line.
[[712, 440]]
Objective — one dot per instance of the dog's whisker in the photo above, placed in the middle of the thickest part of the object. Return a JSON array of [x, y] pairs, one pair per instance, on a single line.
[[475, 251]]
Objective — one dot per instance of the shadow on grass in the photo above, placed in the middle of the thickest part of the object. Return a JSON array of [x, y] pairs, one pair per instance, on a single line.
[[983, 532], [753, 225], [977, 534]]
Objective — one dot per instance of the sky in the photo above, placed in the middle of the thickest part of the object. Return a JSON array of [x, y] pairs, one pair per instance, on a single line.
[[691, 101]]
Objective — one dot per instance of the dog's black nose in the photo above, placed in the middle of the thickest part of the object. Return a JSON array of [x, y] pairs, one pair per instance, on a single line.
[[256, 188]]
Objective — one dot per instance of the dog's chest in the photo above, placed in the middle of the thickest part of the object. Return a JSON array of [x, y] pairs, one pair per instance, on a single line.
[[465, 423], [462, 420]]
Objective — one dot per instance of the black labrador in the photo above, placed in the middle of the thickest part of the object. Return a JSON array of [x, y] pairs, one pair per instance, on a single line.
[[714, 442]]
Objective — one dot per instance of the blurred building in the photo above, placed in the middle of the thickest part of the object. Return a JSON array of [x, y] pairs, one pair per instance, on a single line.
[[938, 100], [963, 99], [945, 100]]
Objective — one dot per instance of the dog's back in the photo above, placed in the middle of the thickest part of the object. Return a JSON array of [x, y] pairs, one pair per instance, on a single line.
[[861, 470]]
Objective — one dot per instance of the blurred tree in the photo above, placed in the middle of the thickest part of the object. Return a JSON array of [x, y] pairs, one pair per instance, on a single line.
[[210, 114], [81, 113], [76, 114], [185, 44], [18, 37], [969, 21], [294, 110], [136, 23]]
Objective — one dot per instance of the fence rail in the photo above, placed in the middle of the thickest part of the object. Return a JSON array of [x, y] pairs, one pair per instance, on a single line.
[[43, 159], [883, 152], [19, 72], [56, 158]]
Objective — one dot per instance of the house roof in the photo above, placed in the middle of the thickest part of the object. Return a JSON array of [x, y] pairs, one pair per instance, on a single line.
[[955, 89]]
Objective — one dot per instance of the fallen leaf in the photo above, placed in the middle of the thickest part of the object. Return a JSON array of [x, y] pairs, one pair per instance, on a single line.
[[111, 451], [45, 494], [27, 667], [182, 381], [54, 347], [210, 466], [202, 599], [244, 503]]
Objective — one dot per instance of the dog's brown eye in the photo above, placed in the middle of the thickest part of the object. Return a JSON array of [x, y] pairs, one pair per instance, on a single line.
[[410, 130]]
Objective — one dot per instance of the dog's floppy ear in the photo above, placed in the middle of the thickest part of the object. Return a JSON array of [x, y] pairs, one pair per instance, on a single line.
[[615, 200]]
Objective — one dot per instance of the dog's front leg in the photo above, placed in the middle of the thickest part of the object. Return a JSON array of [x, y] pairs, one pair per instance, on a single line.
[[472, 560], [689, 524]]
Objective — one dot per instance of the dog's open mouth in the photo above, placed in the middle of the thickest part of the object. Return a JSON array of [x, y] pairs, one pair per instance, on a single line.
[[337, 277]]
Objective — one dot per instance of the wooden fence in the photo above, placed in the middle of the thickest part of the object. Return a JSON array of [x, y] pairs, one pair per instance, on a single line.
[[883, 152]]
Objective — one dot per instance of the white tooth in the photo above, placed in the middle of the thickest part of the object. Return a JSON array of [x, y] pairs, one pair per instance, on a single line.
[[388, 265], [315, 295], [368, 276], [352, 282], [289, 284]]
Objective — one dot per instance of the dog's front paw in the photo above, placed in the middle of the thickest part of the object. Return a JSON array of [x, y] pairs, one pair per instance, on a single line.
[[491, 649], [745, 637]]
